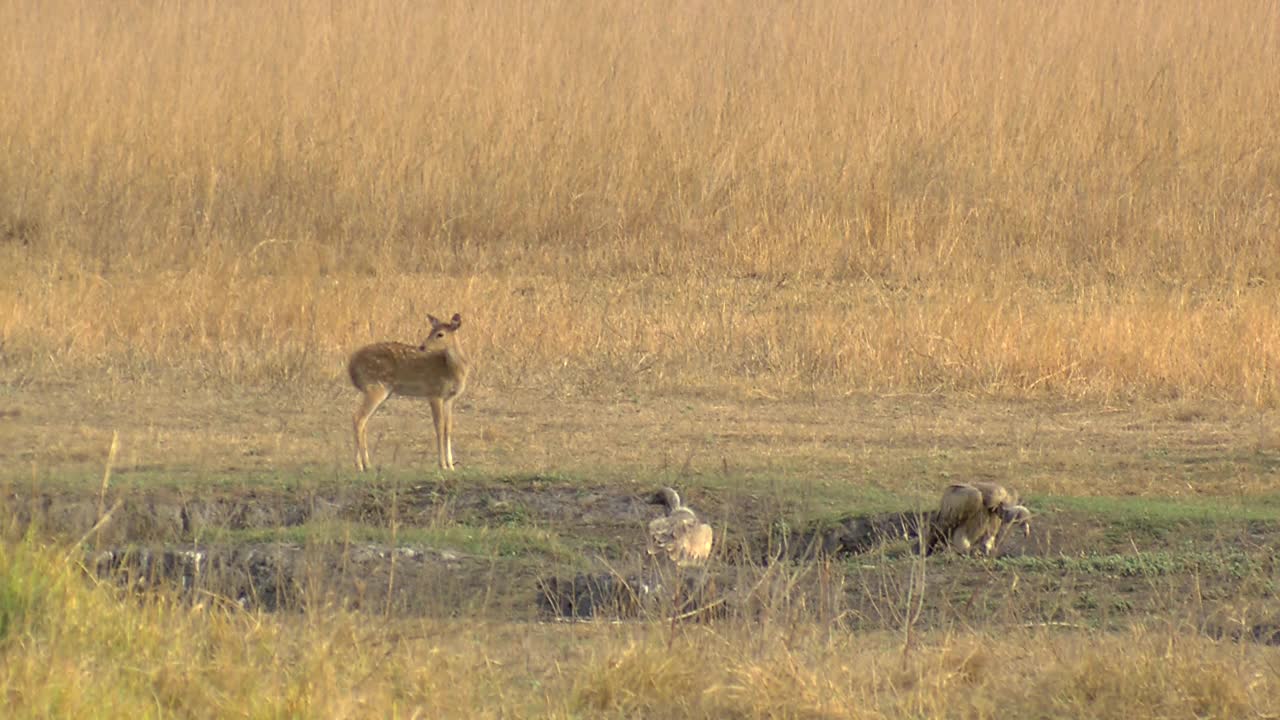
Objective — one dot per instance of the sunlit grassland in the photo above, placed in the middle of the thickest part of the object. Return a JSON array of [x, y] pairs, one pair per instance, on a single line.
[[1011, 198], [826, 256]]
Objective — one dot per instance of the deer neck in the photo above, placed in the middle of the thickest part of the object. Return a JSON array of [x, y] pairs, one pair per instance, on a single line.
[[454, 359]]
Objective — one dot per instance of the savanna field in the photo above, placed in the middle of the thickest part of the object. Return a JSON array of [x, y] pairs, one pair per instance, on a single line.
[[809, 263]]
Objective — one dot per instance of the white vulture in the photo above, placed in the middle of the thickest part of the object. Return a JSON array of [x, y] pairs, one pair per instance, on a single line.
[[680, 536], [977, 515]]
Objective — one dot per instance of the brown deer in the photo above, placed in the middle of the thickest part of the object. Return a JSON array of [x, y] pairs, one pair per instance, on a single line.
[[437, 370]]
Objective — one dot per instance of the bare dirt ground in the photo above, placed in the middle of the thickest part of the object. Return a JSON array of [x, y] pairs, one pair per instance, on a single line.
[[247, 497]]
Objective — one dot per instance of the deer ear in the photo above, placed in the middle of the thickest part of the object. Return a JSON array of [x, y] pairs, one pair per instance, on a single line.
[[457, 321], [432, 319]]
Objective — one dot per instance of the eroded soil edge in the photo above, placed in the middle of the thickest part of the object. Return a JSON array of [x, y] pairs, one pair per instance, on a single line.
[[378, 552]]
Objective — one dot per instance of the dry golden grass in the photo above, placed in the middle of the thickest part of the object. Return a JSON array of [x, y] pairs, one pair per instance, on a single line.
[[71, 650], [729, 197], [1150, 674]]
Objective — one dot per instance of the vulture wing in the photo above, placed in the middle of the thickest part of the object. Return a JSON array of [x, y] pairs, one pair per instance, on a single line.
[[994, 496], [681, 537]]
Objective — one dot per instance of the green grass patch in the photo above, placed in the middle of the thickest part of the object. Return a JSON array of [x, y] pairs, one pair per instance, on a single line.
[[1161, 511], [26, 587], [318, 477], [809, 498], [496, 541], [1155, 564]]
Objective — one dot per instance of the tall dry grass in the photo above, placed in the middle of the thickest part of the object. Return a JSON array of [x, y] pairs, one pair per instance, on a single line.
[[992, 197]]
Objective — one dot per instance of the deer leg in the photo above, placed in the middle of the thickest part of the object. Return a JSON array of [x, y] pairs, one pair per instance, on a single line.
[[448, 431], [437, 417], [374, 395]]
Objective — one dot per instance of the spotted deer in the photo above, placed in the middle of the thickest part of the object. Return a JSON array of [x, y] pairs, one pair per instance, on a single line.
[[437, 370]]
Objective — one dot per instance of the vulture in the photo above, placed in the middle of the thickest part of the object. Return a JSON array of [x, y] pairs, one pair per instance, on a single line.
[[976, 515], [680, 536]]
